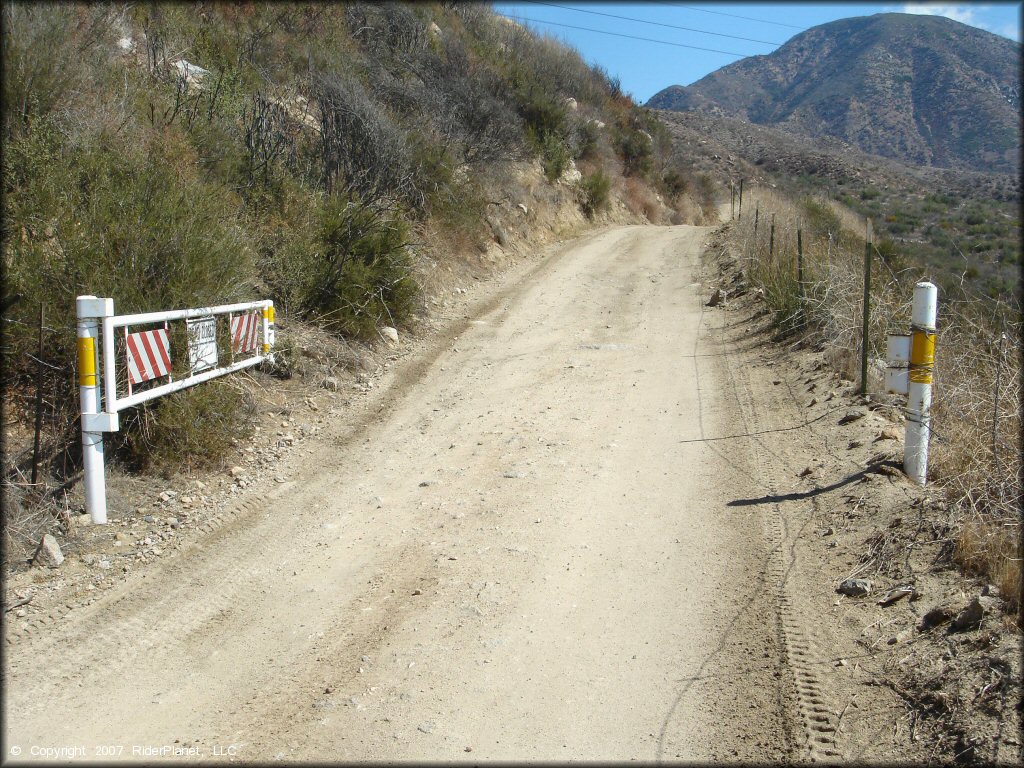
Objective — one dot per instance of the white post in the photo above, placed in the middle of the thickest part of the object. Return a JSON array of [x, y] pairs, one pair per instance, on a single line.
[[89, 311], [268, 327], [919, 401]]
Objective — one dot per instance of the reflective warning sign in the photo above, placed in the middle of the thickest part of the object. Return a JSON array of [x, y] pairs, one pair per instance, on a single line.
[[202, 343]]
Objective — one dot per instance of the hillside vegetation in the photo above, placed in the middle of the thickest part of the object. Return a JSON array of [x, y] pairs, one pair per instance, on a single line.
[[321, 155], [962, 228], [925, 90], [976, 398]]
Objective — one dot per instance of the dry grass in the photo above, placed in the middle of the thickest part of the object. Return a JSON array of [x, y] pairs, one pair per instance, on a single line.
[[976, 456], [640, 200]]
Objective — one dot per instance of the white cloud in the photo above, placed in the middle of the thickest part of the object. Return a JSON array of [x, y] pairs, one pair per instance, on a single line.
[[967, 14], [962, 13]]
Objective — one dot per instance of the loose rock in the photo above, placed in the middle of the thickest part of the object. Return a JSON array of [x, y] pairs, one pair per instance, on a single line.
[[854, 587], [851, 417], [970, 617], [895, 594], [717, 298], [331, 383], [935, 617], [48, 552], [389, 333]]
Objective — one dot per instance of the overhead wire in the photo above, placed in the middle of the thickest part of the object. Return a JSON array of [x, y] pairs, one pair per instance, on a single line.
[[653, 23], [737, 16], [630, 37]]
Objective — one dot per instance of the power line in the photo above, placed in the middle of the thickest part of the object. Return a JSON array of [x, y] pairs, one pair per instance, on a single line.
[[654, 23], [737, 16], [631, 37]]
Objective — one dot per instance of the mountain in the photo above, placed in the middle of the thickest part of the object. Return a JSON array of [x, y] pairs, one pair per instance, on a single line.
[[925, 90]]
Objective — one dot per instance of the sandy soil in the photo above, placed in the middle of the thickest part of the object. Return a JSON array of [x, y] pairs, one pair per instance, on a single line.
[[562, 530]]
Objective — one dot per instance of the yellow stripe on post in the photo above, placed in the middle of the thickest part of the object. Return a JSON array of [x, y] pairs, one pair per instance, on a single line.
[[922, 357], [87, 362]]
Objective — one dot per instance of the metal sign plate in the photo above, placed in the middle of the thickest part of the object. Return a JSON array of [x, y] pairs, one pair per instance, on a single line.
[[897, 349], [202, 343], [897, 380]]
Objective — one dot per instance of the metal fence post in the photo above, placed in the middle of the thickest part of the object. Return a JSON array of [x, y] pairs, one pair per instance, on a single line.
[[800, 273], [89, 311], [995, 401], [919, 400], [865, 331]]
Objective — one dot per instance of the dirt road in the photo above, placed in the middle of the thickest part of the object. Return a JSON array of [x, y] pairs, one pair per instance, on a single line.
[[519, 549]]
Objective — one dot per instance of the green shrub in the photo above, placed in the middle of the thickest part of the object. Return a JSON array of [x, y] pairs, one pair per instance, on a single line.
[[587, 140], [49, 54], [113, 219], [195, 428], [554, 157], [362, 273], [543, 113], [594, 193], [635, 149]]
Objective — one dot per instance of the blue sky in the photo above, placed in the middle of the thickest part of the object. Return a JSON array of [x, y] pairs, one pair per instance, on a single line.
[[645, 67]]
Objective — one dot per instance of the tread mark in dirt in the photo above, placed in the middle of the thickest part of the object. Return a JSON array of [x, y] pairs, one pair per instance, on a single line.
[[146, 619], [796, 638]]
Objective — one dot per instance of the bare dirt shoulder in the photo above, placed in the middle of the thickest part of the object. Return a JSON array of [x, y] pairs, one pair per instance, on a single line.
[[926, 665]]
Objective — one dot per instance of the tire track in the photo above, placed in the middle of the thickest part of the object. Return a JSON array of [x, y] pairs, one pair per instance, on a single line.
[[144, 616], [802, 649]]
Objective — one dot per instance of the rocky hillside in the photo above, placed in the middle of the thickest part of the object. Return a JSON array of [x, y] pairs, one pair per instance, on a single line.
[[925, 90]]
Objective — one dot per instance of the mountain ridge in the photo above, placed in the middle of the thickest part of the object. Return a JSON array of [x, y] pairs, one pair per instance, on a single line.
[[920, 89]]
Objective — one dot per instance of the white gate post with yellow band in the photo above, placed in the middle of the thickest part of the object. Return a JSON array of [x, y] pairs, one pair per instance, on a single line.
[[911, 361], [90, 311], [268, 328], [97, 384], [919, 395]]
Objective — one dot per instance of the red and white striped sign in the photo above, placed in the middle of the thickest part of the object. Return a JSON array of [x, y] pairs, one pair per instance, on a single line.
[[244, 330], [149, 355]]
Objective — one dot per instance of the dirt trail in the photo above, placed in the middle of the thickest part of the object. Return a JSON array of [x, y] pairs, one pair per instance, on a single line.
[[523, 550]]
